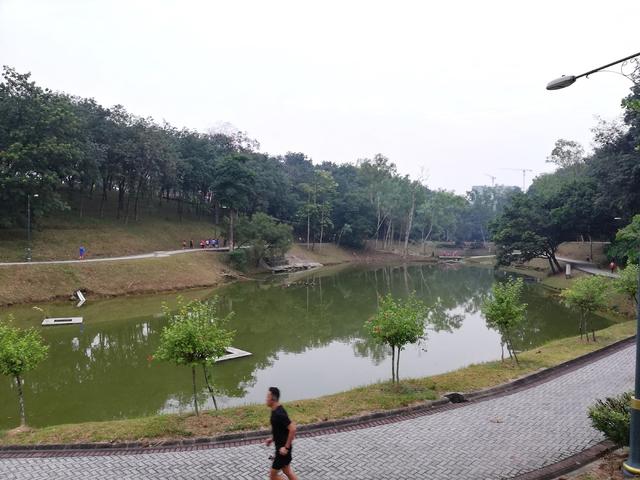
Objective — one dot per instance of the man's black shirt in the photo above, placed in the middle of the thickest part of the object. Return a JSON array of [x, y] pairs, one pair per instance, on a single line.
[[279, 426]]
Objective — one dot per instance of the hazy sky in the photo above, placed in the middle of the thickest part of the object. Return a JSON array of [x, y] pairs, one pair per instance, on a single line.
[[454, 88]]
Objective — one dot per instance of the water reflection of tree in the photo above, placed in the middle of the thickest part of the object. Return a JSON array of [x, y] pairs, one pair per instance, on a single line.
[[105, 372]]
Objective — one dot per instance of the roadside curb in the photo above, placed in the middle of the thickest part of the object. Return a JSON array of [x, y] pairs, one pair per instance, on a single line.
[[319, 428], [569, 464]]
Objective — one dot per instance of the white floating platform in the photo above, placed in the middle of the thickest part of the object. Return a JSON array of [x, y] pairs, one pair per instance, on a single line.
[[61, 321], [233, 353]]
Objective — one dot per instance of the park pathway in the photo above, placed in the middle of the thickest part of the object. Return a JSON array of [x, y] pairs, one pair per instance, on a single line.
[[587, 267], [498, 438], [158, 254]]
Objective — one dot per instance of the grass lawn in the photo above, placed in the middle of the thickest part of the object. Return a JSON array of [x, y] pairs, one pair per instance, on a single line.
[[39, 283]]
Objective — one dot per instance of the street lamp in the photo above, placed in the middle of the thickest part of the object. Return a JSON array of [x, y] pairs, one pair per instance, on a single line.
[[35, 195], [566, 80], [631, 467]]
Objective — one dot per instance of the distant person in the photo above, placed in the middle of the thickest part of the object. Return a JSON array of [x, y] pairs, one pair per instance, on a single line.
[[201, 243], [191, 243], [206, 242], [612, 266], [184, 244], [283, 431], [82, 252]]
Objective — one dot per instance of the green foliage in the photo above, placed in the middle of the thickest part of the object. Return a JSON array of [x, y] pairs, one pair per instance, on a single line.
[[504, 310], [525, 231], [267, 237], [39, 147], [627, 282], [612, 416], [196, 334], [398, 323], [20, 350], [239, 259], [566, 153], [627, 242], [588, 295]]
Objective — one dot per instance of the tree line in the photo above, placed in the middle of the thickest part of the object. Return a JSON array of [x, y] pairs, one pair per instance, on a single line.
[[589, 196], [55, 145]]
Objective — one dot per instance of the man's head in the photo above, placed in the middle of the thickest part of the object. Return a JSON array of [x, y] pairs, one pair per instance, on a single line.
[[273, 396]]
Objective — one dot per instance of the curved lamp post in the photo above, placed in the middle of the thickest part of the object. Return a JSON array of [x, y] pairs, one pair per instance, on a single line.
[[566, 80], [631, 467]]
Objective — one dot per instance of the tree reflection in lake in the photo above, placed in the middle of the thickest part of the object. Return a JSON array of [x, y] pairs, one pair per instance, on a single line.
[[305, 332]]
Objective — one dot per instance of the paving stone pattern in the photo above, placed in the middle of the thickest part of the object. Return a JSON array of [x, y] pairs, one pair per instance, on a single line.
[[493, 439]]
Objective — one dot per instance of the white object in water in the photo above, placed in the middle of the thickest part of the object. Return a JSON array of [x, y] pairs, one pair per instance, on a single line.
[[81, 297], [233, 353], [61, 321]]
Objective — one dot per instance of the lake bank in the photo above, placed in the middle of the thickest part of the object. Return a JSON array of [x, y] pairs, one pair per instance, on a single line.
[[355, 402], [21, 284], [300, 329]]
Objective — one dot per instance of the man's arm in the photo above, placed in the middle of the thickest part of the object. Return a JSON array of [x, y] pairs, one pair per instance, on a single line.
[[291, 436]]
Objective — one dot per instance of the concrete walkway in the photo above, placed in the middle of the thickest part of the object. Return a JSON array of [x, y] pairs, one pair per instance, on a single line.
[[587, 267], [497, 438], [165, 253]]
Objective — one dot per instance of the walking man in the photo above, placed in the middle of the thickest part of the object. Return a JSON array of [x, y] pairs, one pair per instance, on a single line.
[[283, 432]]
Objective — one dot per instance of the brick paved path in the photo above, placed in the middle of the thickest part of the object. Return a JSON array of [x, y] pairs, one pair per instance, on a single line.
[[497, 438]]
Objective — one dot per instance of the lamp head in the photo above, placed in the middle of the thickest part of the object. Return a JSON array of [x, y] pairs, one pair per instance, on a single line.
[[562, 82]]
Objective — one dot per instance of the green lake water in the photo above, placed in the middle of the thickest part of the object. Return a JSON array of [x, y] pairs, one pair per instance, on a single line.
[[305, 333]]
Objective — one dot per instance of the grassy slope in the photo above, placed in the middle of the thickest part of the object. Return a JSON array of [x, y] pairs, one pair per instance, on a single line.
[[327, 254], [58, 237], [380, 396], [36, 283]]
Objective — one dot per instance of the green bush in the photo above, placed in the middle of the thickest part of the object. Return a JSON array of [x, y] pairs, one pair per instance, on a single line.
[[612, 416], [239, 259]]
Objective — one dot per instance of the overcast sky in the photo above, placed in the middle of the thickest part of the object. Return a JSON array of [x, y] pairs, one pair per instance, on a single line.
[[456, 89]]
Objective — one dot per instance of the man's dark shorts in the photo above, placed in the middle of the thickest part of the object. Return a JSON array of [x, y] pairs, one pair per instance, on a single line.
[[279, 462]]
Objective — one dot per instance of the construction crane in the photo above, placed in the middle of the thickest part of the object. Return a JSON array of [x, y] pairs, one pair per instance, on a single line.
[[493, 179], [524, 174]]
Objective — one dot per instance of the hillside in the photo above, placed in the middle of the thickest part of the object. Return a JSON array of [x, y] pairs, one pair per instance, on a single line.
[[39, 283], [59, 237]]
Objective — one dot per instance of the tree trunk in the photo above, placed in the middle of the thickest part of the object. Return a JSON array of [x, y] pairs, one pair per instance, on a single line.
[[103, 199], [398, 366], [512, 351], [121, 192], [232, 214], [409, 224], [195, 392], [206, 379], [393, 364], [23, 417], [321, 230]]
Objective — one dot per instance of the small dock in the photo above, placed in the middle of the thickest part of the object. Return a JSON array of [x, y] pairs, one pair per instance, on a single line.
[[232, 353], [48, 322], [450, 258]]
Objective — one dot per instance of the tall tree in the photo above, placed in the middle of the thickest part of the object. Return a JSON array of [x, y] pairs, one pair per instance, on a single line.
[[195, 337], [233, 186], [20, 352], [39, 147]]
